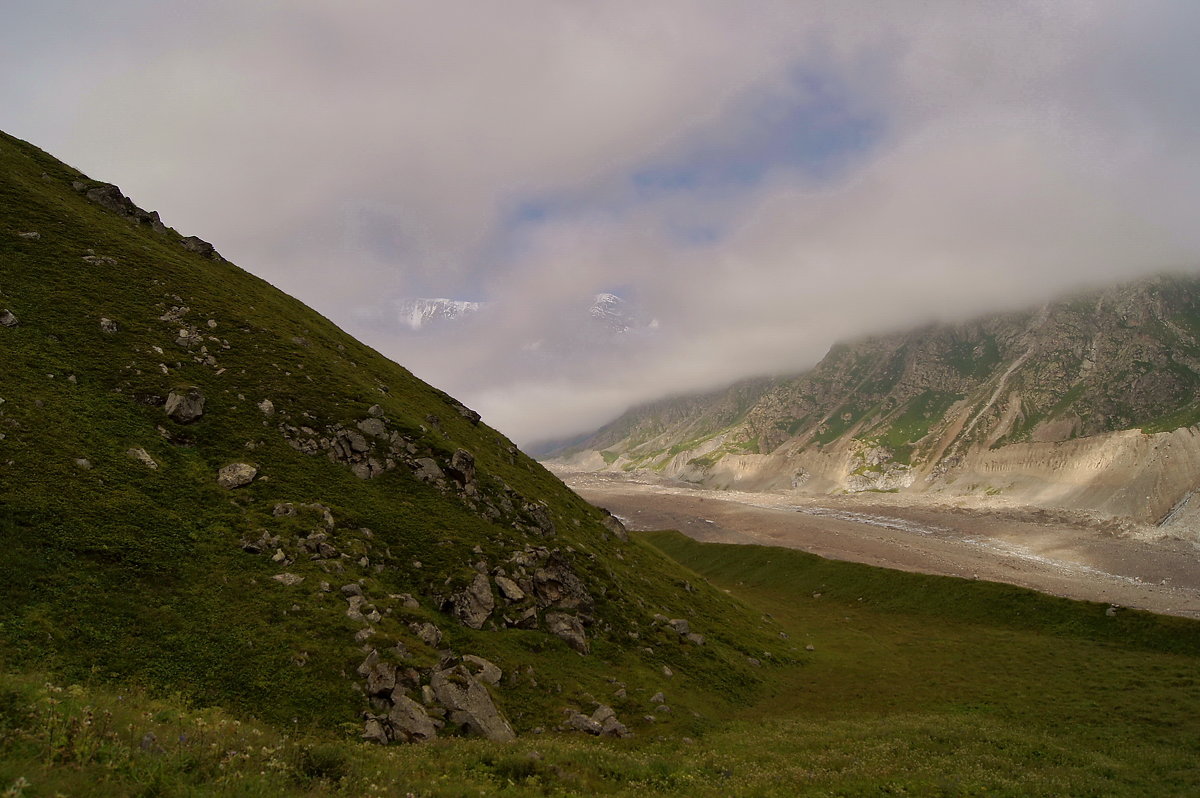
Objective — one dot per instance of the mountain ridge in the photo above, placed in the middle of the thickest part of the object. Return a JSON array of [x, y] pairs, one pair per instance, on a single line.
[[946, 408]]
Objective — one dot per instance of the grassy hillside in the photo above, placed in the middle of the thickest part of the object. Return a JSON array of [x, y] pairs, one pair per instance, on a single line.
[[916, 685], [377, 514]]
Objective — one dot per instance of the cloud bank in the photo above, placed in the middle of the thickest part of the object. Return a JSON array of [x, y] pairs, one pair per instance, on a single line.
[[762, 178]]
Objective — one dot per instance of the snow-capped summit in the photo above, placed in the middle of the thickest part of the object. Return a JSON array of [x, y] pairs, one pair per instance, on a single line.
[[417, 313], [611, 311]]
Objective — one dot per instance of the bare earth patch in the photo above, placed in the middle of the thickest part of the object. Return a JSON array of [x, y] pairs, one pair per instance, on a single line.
[[1062, 554]]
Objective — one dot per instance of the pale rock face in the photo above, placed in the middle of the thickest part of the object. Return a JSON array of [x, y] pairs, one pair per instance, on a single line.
[[419, 313]]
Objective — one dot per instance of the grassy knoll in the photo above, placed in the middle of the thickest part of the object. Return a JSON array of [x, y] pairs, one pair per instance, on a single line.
[[917, 685]]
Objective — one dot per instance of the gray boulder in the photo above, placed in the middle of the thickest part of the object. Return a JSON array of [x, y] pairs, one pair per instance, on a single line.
[[408, 720], [577, 721], [185, 406], [200, 247], [509, 589], [613, 525], [235, 475], [7, 319], [474, 603], [108, 326], [556, 585], [569, 628], [140, 454], [373, 731], [679, 625], [462, 467], [470, 704], [484, 670], [428, 634], [373, 427], [427, 470]]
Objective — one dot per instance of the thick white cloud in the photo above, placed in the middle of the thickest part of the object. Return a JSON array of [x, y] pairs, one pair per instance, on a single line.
[[358, 152]]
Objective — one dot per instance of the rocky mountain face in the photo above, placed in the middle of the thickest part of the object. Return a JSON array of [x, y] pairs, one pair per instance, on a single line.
[[417, 314], [1076, 404], [207, 487]]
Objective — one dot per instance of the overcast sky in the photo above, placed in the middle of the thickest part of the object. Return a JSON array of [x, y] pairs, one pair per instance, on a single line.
[[761, 178]]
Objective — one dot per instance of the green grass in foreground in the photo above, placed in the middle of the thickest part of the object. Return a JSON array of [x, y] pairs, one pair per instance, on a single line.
[[917, 685]]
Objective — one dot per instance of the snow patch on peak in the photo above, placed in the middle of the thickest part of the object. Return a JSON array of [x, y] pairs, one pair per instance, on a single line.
[[417, 313]]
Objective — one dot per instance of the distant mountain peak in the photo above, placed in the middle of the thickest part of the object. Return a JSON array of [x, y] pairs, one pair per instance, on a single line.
[[420, 312]]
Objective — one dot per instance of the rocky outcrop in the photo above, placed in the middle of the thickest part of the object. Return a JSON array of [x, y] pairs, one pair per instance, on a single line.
[[110, 198]]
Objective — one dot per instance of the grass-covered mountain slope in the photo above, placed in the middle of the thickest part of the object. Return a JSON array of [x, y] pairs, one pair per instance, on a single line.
[[916, 685], [1063, 404], [208, 489]]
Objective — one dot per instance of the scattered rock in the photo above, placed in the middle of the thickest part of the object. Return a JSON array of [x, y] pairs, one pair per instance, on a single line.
[[679, 625], [375, 411], [32, 235], [267, 407], [1111, 612], [475, 603], [7, 319], [810, 647], [373, 731], [83, 463], [99, 260], [614, 525], [667, 671], [409, 721], [427, 470], [579, 722], [470, 704], [658, 698], [185, 406], [462, 467], [373, 427], [138, 453], [556, 585], [288, 578], [235, 475], [509, 589], [694, 639], [488, 672], [569, 628], [429, 634], [108, 326]]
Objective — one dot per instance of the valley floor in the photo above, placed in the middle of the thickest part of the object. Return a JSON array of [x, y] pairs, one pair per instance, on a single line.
[[1059, 554]]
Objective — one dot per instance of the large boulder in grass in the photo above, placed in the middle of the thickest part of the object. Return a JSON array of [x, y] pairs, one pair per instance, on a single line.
[[235, 475], [185, 406], [474, 603], [470, 705]]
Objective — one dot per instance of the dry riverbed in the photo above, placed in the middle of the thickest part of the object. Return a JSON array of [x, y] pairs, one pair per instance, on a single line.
[[1057, 553]]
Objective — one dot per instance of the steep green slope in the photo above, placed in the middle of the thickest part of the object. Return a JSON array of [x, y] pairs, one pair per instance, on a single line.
[[207, 487]]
